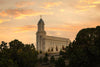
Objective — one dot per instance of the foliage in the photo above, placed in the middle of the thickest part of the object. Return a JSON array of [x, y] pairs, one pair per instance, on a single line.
[[62, 53], [17, 55], [60, 62], [40, 59], [52, 59], [46, 54], [85, 50], [45, 59]]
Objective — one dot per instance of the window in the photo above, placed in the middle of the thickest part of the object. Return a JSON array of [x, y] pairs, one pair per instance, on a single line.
[[51, 49], [63, 47], [48, 50], [56, 48]]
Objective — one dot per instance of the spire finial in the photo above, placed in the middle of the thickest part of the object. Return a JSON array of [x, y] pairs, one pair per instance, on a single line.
[[40, 16]]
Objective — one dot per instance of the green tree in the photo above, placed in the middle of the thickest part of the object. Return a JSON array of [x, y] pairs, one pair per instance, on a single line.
[[52, 59], [27, 57], [85, 50], [40, 60], [5, 60], [16, 44], [17, 55], [46, 54], [60, 62], [45, 59]]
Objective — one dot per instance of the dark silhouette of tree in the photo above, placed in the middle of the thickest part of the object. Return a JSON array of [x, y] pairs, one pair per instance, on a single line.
[[5, 60], [52, 59], [45, 59], [15, 44], [60, 62], [46, 54], [85, 50], [17, 55]]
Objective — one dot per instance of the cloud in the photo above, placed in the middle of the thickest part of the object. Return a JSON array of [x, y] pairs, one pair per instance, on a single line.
[[26, 28], [96, 2], [4, 20], [56, 29], [66, 27], [3, 13], [24, 4], [54, 33], [62, 10], [21, 13], [48, 5], [85, 5], [2, 2]]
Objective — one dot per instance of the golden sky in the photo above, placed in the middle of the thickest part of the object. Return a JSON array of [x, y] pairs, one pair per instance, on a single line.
[[63, 18]]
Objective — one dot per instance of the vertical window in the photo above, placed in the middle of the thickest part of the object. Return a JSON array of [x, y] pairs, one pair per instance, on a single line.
[[56, 48], [63, 47], [51, 49]]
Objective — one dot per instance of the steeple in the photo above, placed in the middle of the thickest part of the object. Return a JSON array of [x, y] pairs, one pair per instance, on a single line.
[[41, 25], [41, 22], [40, 34]]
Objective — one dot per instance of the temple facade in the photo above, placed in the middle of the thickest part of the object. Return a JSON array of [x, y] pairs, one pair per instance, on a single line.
[[49, 44]]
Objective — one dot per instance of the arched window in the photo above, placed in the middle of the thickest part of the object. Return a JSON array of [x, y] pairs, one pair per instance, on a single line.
[[63, 47], [48, 50], [51, 49], [56, 48]]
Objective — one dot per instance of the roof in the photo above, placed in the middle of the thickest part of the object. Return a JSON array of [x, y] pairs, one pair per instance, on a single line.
[[40, 21], [56, 38]]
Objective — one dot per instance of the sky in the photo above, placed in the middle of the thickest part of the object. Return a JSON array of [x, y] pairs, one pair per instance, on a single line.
[[63, 18]]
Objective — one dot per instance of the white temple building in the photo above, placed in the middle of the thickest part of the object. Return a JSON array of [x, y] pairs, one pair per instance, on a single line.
[[49, 44]]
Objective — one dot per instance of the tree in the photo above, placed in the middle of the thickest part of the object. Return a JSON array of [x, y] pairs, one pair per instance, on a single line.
[[7, 63], [45, 59], [85, 50], [62, 52], [60, 62], [3, 47], [46, 54], [17, 55], [40, 59], [27, 57], [52, 59], [16, 44], [5, 60]]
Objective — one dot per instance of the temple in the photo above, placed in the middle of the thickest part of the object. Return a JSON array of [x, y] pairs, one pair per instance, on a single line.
[[49, 44]]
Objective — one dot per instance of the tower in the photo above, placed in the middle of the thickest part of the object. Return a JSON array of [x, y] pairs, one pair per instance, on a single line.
[[39, 35]]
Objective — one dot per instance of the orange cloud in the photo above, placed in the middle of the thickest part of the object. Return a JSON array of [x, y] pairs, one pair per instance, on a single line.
[[51, 4], [3, 14], [25, 28], [24, 4], [96, 2], [21, 13], [84, 5], [34, 28], [56, 29], [62, 10], [4, 20], [87, 1]]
